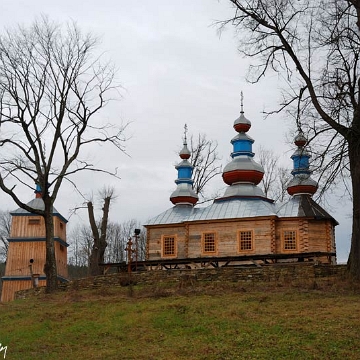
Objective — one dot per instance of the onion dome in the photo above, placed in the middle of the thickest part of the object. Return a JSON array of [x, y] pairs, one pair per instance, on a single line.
[[301, 183], [38, 192], [242, 169], [184, 193]]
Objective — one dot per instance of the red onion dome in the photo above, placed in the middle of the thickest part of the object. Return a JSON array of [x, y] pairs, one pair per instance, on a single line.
[[300, 139], [243, 169], [184, 194], [242, 124], [302, 184], [185, 153], [183, 200]]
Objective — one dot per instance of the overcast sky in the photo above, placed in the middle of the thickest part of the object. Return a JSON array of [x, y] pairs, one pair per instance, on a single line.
[[175, 69]]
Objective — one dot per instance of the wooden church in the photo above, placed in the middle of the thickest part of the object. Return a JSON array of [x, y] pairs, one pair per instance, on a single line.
[[244, 224], [27, 250]]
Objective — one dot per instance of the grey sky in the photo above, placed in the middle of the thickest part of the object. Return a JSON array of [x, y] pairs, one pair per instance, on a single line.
[[175, 69]]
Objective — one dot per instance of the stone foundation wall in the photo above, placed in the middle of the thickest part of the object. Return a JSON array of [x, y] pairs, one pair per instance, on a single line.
[[277, 275]]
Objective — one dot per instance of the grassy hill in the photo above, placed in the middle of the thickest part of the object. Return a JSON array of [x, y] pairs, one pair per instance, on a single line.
[[213, 321]]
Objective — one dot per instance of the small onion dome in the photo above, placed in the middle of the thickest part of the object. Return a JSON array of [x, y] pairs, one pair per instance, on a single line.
[[243, 169], [184, 194], [300, 139], [38, 192], [185, 152], [302, 184], [242, 124]]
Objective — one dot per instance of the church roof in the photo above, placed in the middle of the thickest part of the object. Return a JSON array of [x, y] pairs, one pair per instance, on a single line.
[[36, 203], [219, 210], [303, 205], [298, 206]]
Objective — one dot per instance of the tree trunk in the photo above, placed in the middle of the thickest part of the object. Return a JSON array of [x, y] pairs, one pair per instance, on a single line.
[[104, 224], [100, 244], [94, 256], [50, 264], [353, 264]]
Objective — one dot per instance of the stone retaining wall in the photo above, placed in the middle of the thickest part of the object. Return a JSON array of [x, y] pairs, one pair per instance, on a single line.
[[277, 275]]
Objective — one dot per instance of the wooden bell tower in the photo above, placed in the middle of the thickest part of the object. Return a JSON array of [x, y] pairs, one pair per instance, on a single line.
[[27, 250]]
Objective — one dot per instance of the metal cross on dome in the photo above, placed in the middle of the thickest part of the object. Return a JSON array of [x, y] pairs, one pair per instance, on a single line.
[[185, 132], [242, 101]]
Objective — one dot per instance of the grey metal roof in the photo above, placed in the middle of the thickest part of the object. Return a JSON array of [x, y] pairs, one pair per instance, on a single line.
[[298, 206], [243, 189], [303, 205], [227, 209], [234, 209], [36, 203], [174, 215]]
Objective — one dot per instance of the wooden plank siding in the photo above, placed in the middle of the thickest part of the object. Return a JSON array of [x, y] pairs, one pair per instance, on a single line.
[[19, 255], [25, 226], [27, 242], [10, 287]]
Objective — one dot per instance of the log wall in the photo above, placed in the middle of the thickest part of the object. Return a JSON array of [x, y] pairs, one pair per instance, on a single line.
[[268, 236]]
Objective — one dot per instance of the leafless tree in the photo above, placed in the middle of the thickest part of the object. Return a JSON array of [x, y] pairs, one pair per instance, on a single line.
[[275, 178], [314, 45], [51, 90], [99, 230], [115, 250], [81, 241], [205, 160], [117, 236], [5, 225], [139, 242]]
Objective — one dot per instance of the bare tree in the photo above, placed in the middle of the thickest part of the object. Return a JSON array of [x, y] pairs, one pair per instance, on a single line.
[[99, 232], [5, 225], [115, 250], [276, 177], [51, 89], [205, 160], [139, 243], [314, 45], [81, 241]]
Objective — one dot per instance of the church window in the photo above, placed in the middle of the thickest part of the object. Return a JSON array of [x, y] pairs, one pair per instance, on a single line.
[[290, 240], [246, 241], [34, 221], [209, 243], [168, 246]]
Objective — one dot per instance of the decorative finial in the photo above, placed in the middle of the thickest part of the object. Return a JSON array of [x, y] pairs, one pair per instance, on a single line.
[[185, 132], [242, 102]]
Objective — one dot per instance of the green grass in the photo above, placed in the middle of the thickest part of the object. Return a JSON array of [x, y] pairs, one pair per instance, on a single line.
[[200, 322]]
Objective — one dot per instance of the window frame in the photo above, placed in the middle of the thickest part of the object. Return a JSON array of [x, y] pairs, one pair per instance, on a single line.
[[203, 244], [34, 221], [284, 240], [246, 251], [163, 238]]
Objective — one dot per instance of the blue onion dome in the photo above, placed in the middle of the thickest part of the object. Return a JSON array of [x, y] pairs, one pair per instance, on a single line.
[[242, 168], [184, 193], [301, 183]]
